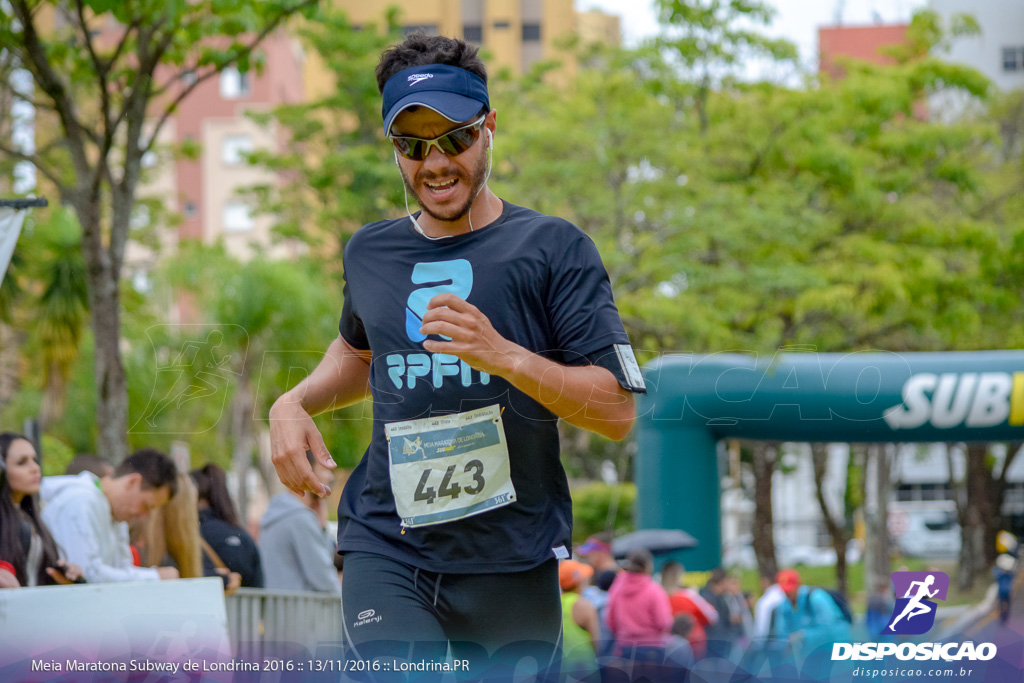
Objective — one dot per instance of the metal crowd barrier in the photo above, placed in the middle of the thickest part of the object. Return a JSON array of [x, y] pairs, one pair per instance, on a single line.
[[264, 623]]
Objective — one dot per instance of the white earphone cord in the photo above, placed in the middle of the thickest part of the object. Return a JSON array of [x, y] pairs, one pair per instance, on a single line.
[[405, 191]]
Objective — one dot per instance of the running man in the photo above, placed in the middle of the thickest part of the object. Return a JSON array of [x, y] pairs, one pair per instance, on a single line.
[[474, 324], [915, 607]]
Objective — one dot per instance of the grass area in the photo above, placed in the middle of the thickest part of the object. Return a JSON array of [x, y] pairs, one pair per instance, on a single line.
[[826, 576]]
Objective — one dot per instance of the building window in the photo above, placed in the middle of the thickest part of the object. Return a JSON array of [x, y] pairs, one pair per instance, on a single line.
[[189, 77], [1013, 59], [190, 210], [237, 217], [425, 29], [233, 149], [501, 24], [234, 84], [473, 33], [531, 31]]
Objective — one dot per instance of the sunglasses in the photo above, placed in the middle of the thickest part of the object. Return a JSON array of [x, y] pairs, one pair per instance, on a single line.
[[452, 144]]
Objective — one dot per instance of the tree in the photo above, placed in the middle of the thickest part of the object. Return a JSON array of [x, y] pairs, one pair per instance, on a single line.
[[708, 38], [62, 311], [338, 168], [111, 74], [997, 482], [837, 530], [765, 460], [263, 322], [45, 297], [879, 460], [979, 501]]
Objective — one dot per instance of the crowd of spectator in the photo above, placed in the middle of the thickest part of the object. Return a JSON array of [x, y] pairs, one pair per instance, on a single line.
[[144, 520], [660, 628]]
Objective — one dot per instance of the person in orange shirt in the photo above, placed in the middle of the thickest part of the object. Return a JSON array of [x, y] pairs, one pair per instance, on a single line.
[[688, 601]]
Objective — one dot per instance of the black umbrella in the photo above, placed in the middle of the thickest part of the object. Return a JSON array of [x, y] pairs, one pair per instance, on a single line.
[[658, 541]]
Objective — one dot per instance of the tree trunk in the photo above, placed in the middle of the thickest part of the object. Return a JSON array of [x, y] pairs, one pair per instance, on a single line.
[[111, 383], [878, 550], [105, 304], [996, 496], [836, 530], [242, 436], [765, 457], [965, 563], [51, 409], [978, 514]]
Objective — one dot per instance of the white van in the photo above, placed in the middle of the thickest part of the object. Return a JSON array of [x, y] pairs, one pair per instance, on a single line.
[[925, 529]]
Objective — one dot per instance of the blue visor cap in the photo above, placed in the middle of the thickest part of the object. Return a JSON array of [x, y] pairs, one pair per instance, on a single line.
[[454, 93]]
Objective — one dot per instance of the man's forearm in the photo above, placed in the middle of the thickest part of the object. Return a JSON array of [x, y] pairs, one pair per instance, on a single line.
[[587, 396], [341, 379]]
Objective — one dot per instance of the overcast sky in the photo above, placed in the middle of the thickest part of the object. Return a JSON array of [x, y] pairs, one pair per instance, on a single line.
[[796, 20]]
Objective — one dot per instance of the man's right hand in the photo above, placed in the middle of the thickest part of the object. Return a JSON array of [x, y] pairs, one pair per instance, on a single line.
[[167, 573], [292, 433], [7, 577]]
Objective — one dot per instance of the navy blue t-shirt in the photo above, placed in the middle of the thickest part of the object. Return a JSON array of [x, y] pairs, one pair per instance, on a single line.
[[541, 283]]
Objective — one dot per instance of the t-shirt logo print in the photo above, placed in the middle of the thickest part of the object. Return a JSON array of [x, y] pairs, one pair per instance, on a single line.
[[417, 78], [450, 277], [914, 612]]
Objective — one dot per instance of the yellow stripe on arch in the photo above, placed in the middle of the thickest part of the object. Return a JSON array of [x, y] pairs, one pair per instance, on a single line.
[[1017, 400]]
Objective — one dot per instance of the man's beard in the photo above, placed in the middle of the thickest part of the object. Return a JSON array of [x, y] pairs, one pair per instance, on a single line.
[[479, 175]]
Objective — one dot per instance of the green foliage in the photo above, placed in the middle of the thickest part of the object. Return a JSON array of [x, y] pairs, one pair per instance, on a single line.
[[265, 325], [833, 218], [109, 75], [713, 32], [56, 456], [598, 507], [64, 304]]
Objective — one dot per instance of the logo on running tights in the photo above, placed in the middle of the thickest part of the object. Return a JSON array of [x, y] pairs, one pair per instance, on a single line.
[[367, 616], [914, 613]]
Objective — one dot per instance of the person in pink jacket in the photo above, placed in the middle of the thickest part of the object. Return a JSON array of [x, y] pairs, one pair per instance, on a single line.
[[638, 613]]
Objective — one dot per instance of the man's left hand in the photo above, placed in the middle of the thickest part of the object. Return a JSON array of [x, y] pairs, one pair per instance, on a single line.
[[473, 338]]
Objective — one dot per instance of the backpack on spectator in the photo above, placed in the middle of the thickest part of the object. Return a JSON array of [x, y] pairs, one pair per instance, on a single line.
[[841, 602]]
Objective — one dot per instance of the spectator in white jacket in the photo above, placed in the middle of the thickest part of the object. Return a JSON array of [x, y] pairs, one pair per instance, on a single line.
[[88, 515]]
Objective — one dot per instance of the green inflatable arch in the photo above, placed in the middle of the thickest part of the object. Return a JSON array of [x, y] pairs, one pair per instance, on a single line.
[[693, 401]]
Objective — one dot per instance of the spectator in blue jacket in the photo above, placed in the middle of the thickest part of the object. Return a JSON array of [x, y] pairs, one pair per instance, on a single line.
[[809, 617]]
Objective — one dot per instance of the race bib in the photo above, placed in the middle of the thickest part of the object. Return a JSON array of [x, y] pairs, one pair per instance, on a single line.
[[449, 467]]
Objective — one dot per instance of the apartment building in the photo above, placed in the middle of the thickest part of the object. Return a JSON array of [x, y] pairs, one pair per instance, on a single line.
[[998, 52], [514, 34], [864, 43], [216, 117]]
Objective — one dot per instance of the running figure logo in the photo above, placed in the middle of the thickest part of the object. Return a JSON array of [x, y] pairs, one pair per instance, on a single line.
[[413, 447], [914, 613]]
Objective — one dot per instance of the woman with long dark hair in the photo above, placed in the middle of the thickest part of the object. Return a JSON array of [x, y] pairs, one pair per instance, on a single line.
[[25, 542], [232, 547]]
